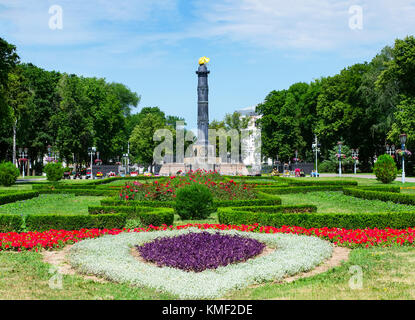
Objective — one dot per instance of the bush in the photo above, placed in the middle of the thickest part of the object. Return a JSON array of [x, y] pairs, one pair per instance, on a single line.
[[327, 166], [17, 196], [194, 201], [54, 171], [157, 218], [8, 174], [385, 169], [10, 222], [75, 222]]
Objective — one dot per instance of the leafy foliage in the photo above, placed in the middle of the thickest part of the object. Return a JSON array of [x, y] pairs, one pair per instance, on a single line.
[[194, 202], [385, 169], [8, 174], [54, 171]]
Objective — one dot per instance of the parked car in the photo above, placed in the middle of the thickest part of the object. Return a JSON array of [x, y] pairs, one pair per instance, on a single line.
[[134, 174], [111, 174], [99, 174]]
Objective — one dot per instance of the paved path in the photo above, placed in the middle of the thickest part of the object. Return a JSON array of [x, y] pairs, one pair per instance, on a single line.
[[367, 176], [29, 180]]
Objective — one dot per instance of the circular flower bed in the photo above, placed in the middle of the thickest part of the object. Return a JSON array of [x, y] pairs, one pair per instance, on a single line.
[[200, 251], [110, 257]]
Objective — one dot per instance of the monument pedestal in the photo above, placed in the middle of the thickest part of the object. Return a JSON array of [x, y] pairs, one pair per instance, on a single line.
[[203, 154]]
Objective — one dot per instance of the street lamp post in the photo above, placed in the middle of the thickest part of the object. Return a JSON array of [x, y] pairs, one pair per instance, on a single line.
[[390, 150], [340, 157], [316, 149], [23, 154], [91, 152], [355, 157], [402, 139]]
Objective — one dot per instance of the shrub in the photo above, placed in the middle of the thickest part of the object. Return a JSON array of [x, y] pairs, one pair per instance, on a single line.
[[385, 169], [54, 171], [8, 174], [75, 222], [10, 222], [157, 218], [327, 166], [17, 196], [194, 201]]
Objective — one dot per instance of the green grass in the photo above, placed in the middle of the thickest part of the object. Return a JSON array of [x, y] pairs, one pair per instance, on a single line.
[[24, 276], [51, 204], [333, 202], [387, 274]]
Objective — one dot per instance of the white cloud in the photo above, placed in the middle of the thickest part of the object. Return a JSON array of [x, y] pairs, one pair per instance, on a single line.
[[316, 25], [307, 24]]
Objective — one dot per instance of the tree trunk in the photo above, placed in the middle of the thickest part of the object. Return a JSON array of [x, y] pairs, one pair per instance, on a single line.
[[14, 142]]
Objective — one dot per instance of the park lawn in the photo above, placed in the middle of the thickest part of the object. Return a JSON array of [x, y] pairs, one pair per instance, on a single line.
[[61, 204], [25, 276], [387, 275], [332, 202]]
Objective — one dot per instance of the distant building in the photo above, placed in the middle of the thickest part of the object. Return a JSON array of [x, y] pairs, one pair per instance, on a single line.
[[253, 132]]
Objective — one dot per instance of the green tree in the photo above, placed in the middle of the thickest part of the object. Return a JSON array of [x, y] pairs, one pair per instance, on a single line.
[[401, 68], [8, 61], [18, 97], [141, 141]]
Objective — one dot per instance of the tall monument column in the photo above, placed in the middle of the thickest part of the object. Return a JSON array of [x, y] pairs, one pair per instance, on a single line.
[[202, 102]]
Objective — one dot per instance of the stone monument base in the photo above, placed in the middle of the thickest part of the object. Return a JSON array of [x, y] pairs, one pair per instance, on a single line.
[[231, 169]]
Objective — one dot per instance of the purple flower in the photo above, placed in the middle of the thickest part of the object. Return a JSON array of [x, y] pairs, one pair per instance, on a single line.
[[200, 251]]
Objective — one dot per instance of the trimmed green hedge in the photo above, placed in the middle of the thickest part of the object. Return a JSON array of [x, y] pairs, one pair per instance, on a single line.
[[401, 198], [10, 222], [75, 222], [300, 189], [147, 215], [17, 196], [386, 188], [157, 217], [319, 220], [316, 182]]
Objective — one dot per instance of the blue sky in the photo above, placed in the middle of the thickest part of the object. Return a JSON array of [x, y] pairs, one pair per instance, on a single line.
[[153, 46]]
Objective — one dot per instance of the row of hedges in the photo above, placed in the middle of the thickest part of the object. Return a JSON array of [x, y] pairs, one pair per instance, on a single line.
[[17, 196], [302, 182], [319, 220], [300, 189], [9, 223], [147, 215], [384, 188], [379, 195]]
